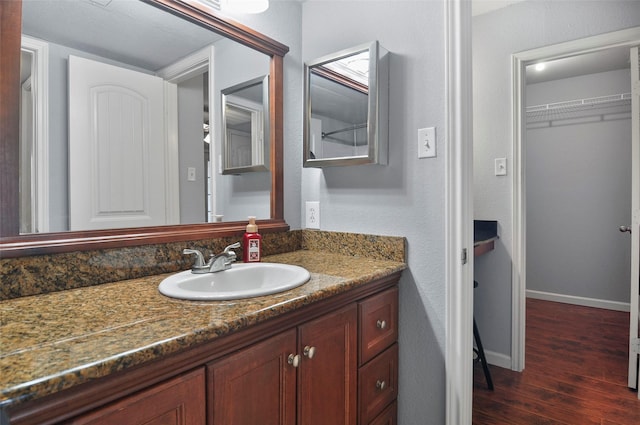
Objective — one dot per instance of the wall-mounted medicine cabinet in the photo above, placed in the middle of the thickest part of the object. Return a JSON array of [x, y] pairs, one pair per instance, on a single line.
[[245, 124], [346, 108]]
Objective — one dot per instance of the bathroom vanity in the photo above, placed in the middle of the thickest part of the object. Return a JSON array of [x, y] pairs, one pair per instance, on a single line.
[[323, 353]]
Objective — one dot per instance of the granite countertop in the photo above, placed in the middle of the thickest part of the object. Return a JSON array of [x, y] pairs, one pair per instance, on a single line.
[[54, 341]]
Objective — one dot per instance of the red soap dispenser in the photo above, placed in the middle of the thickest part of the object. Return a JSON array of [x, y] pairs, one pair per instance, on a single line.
[[251, 243]]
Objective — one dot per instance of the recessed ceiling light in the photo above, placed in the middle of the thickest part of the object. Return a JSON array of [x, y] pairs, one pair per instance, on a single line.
[[541, 66]]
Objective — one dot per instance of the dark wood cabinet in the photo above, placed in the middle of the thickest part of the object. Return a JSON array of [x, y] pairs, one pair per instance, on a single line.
[[333, 362], [378, 372], [328, 370], [256, 385], [178, 401], [388, 417]]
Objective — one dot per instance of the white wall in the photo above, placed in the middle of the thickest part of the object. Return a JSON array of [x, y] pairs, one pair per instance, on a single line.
[[578, 189], [496, 36], [406, 197]]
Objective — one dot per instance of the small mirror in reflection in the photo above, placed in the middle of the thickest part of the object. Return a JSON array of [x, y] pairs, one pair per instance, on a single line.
[[245, 141]]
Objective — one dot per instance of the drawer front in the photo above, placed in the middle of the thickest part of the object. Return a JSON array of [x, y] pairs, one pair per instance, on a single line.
[[378, 323], [378, 384], [388, 417]]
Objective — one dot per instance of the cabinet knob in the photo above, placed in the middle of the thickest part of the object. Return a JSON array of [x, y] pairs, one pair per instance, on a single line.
[[293, 360], [309, 351], [381, 324], [381, 385]]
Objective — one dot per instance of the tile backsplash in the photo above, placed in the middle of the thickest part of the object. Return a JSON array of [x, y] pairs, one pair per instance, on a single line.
[[33, 275]]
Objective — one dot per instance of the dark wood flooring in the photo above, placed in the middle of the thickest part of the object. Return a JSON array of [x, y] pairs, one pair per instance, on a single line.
[[576, 361]]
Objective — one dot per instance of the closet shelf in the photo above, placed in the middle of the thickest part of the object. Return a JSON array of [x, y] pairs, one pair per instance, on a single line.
[[597, 105]]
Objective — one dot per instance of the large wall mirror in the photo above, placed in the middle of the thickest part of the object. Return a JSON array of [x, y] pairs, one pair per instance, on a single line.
[[346, 107], [112, 124]]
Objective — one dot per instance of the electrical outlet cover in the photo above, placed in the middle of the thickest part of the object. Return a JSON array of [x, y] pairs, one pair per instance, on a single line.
[[312, 214]]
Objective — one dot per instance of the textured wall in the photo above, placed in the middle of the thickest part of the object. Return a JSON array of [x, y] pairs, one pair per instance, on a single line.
[[406, 197], [496, 36]]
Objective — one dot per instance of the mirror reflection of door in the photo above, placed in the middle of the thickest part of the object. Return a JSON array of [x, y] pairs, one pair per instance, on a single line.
[[117, 155]]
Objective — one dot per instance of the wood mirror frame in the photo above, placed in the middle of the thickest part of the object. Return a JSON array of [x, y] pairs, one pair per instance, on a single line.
[[12, 244]]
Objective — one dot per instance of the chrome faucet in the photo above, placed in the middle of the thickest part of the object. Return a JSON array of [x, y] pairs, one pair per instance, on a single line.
[[216, 263]]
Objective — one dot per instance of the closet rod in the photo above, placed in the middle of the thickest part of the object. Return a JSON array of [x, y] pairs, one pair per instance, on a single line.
[[342, 130]]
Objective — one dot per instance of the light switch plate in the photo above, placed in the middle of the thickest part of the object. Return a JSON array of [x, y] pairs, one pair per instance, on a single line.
[[427, 142], [312, 215], [191, 174], [500, 166]]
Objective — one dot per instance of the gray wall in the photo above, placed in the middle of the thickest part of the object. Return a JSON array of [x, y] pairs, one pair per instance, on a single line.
[[242, 195], [191, 151], [282, 22], [496, 36], [406, 197], [578, 186]]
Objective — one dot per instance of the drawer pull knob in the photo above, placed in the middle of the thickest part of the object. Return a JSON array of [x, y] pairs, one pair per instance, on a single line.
[[381, 385], [309, 351], [293, 360], [381, 324]]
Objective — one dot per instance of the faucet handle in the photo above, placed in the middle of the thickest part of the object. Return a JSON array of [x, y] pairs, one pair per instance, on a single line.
[[228, 249], [199, 264], [229, 253]]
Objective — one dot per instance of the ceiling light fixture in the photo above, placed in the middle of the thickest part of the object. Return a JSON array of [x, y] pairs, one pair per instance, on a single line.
[[540, 66], [244, 6]]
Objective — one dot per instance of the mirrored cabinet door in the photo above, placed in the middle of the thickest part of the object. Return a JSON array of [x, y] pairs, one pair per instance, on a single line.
[[245, 118], [346, 108]]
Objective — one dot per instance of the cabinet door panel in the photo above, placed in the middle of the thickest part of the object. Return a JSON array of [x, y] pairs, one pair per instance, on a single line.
[[327, 379], [255, 385], [179, 401]]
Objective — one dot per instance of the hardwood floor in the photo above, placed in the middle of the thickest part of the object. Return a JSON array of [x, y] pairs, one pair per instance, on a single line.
[[575, 372]]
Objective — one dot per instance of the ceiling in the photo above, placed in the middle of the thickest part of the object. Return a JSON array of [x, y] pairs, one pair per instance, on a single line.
[[590, 63], [125, 31], [89, 25]]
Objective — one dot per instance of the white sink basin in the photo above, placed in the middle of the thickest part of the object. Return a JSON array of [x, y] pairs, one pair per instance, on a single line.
[[242, 280]]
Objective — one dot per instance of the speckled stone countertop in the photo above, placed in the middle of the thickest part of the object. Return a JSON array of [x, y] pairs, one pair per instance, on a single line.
[[51, 342]]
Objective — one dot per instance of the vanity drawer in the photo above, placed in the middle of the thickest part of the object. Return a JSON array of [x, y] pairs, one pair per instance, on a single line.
[[388, 417], [378, 323], [378, 384]]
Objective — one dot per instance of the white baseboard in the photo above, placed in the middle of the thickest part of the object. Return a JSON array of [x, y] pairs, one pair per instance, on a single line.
[[498, 359], [571, 299]]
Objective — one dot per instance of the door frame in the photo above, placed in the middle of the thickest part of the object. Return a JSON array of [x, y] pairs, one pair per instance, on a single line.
[[39, 51], [519, 61], [182, 70], [458, 213]]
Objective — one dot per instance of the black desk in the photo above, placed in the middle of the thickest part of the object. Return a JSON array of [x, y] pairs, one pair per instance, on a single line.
[[485, 233]]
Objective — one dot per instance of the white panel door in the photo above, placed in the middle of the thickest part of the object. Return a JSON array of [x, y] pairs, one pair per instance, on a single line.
[[116, 147], [634, 341]]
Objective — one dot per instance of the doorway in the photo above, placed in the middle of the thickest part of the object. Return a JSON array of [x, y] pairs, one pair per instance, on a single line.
[[627, 39]]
